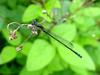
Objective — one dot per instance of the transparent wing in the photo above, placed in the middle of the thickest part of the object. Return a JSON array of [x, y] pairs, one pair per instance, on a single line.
[[60, 39], [64, 42]]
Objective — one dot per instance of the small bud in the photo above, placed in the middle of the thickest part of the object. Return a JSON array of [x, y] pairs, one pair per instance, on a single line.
[[44, 11], [19, 48]]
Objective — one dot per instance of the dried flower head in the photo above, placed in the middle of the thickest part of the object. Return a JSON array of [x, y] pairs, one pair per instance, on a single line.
[[14, 27], [19, 48], [12, 35]]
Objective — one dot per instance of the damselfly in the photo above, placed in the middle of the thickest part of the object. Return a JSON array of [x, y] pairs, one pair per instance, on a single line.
[[32, 29]]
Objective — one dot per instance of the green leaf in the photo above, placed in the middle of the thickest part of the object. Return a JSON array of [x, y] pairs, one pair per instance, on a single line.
[[65, 5], [67, 31], [96, 55], [90, 12], [56, 65], [16, 14], [12, 4], [64, 31], [14, 42], [32, 12], [87, 40], [84, 23], [7, 54], [80, 71], [72, 59], [3, 1], [50, 5], [40, 55], [26, 72], [49, 8], [46, 17], [26, 48], [76, 4], [21, 59], [5, 70], [57, 4], [1, 22], [4, 11]]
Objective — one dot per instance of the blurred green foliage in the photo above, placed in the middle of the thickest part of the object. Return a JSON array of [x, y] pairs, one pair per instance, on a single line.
[[77, 21]]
